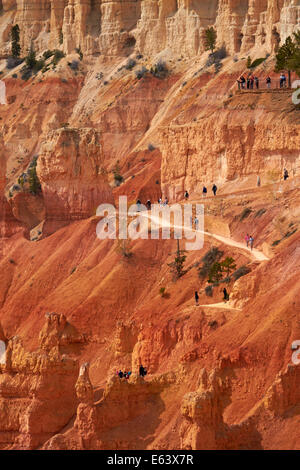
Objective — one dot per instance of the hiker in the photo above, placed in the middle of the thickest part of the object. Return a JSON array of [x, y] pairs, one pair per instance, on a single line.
[[256, 80], [247, 238], [226, 295], [204, 191], [196, 298], [148, 205], [268, 81], [282, 80], [285, 174], [196, 221], [251, 241], [248, 83], [251, 82], [143, 371], [120, 374], [138, 203], [186, 195], [242, 81], [166, 201], [214, 189], [258, 181]]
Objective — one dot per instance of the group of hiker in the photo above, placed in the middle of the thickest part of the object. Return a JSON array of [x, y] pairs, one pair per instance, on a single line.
[[162, 202], [204, 191], [225, 296], [249, 82], [126, 375], [249, 240], [253, 81], [139, 204]]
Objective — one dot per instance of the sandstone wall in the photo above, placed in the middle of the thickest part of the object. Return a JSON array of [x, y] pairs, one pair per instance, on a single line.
[[72, 177], [234, 140], [150, 26], [37, 389]]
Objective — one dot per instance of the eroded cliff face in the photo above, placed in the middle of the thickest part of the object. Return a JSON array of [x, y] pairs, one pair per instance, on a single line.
[[235, 139], [8, 224], [73, 159], [166, 133], [35, 384], [150, 26]]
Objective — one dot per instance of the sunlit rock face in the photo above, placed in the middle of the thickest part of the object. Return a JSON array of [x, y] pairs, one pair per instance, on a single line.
[[116, 28], [72, 177]]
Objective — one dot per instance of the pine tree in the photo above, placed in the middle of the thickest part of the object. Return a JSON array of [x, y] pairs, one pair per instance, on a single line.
[[31, 57], [34, 183], [210, 39], [178, 263], [15, 41], [61, 37], [228, 265], [285, 57], [215, 273], [294, 61], [117, 176]]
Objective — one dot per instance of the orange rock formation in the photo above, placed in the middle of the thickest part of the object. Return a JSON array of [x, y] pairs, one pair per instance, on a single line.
[[100, 123]]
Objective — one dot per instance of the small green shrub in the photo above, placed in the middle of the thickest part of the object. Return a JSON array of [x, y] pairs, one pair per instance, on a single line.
[[260, 212], [209, 291], [130, 64], [151, 147], [257, 62], [211, 256], [117, 176], [124, 248], [57, 56], [162, 291], [39, 65], [47, 54], [141, 73], [241, 271], [12, 62], [160, 69], [246, 212]]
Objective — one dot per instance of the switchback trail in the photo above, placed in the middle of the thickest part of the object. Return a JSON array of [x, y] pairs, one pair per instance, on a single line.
[[256, 254]]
